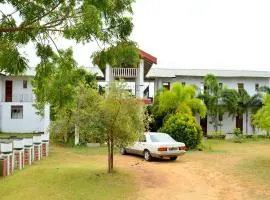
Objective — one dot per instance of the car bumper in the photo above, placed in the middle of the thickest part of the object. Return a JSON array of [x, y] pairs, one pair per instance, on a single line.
[[168, 154]]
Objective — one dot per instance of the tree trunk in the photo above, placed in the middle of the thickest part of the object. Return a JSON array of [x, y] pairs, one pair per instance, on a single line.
[[110, 155], [77, 135]]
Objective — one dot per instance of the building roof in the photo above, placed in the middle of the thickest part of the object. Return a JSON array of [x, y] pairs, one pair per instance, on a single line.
[[161, 72], [148, 57]]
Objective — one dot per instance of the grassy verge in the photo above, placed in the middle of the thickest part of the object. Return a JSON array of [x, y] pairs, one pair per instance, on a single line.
[[17, 135], [68, 173]]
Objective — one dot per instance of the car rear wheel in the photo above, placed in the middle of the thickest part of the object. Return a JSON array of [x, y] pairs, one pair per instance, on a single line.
[[123, 151], [147, 155], [173, 158]]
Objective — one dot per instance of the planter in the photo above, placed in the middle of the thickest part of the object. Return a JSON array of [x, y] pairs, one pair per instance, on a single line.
[[28, 155], [18, 144], [37, 139], [6, 147], [93, 144], [37, 152], [28, 142], [10, 162], [45, 138], [19, 159]]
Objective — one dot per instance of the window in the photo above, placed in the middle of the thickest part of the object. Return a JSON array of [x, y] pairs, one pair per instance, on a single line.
[[220, 85], [24, 84], [183, 83], [142, 139], [166, 85], [161, 137], [240, 85], [16, 112], [257, 87]]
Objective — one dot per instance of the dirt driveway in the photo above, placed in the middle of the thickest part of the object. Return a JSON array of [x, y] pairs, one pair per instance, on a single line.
[[181, 179]]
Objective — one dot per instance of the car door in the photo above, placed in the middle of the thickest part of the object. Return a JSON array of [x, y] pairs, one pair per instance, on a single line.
[[141, 145]]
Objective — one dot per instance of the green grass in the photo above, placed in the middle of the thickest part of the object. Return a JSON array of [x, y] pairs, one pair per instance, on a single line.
[[65, 174], [18, 135]]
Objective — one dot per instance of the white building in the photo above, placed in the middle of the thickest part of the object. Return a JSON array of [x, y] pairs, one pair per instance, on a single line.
[[17, 114], [234, 79]]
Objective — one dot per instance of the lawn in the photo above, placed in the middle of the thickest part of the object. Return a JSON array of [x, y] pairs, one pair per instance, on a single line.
[[17, 135], [80, 173], [68, 173]]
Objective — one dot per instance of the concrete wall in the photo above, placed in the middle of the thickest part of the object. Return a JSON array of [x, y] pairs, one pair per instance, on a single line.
[[29, 123]]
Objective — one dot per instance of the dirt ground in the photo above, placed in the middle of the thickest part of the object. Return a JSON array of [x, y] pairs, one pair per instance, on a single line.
[[189, 177]]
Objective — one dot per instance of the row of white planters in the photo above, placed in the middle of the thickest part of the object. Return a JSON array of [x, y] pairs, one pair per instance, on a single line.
[[19, 152]]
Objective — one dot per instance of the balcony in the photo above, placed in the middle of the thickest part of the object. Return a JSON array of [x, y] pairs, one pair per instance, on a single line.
[[18, 97], [125, 72]]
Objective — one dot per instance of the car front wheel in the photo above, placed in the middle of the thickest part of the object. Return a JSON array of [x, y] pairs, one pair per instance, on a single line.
[[173, 158], [147, 155]]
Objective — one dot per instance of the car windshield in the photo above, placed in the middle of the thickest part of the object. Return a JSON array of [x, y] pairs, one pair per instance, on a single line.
[[161, 138]]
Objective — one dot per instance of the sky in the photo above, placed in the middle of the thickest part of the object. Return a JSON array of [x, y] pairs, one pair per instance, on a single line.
[[196, 34]]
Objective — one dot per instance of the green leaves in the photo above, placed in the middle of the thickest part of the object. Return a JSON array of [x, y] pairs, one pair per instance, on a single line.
[[121, 55], [107, 22], [262, 118]]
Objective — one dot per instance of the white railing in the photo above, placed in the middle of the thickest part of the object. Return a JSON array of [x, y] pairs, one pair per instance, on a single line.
[[19, 97], [125, 72]]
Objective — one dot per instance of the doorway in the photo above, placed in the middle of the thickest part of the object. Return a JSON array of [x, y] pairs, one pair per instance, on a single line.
[[8, 97], [203, 123]]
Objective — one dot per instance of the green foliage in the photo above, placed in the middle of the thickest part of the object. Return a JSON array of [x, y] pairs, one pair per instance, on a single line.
[[211, 98], [56, 80], [183, 128], [238, 135], [106, 21], [262, 118], [120, 55]]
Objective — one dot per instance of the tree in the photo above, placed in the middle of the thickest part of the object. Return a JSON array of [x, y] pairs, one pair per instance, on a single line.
[[106, 22], [55, 83], [262, 118], [180, 99], [265, 89], [117, 117], [240, 102], [211, 98]]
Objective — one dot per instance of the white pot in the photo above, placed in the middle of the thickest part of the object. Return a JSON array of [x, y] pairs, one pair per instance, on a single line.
[[45, 137], [28, 141], [18, 144], [5, 147], [37, 139]]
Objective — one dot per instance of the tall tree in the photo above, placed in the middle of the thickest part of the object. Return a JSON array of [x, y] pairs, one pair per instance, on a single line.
[[211, 97], [117, 117], [240, 102], [39, 21], [55, 83]]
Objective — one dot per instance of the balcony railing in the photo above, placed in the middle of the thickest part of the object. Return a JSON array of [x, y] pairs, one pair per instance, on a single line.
[[19, 97], [125, 72]]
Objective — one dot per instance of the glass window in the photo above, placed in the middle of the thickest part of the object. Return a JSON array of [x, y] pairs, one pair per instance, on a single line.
[[220, 117], [257, 87], [161, 138], [240, 85], [16, 112], [167, 85], [183, 83], [24, 84], [142, 138]]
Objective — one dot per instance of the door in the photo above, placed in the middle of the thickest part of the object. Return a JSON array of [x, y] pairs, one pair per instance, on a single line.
[[203, 123], [239, 122], [8, 97]]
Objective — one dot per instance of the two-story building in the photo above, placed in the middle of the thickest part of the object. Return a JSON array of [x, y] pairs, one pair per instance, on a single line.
[[234, 79]]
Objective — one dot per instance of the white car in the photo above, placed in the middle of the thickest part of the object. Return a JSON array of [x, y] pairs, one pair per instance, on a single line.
[[158, 145]]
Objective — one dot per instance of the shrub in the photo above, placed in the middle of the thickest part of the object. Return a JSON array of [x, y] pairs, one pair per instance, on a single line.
[[183, 128]]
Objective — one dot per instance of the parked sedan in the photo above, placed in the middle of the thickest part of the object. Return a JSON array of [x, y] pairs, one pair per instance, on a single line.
[[158, 145]]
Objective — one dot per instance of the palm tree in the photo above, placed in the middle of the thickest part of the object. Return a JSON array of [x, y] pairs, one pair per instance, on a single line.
[[240, 102], [265, 89], [211, 97], [180, 99]]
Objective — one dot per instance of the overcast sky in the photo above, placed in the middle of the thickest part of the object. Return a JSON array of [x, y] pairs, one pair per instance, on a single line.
[[220, 34]]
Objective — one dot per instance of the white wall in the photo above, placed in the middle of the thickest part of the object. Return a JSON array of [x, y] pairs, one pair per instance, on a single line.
[[29, 123]]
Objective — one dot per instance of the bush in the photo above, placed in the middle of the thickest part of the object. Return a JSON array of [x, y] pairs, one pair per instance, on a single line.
[[183, 128]]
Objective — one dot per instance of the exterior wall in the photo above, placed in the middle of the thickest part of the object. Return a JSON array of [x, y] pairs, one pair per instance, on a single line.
[[30, 122], [228, 123]]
